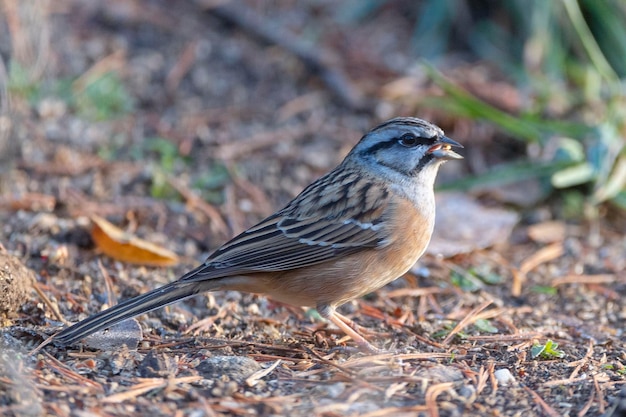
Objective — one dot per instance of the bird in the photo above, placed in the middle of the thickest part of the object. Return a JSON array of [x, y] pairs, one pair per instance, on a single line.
[[352, 231]]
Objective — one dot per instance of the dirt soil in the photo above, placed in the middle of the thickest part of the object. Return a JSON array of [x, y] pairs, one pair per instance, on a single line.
[[225, 127]]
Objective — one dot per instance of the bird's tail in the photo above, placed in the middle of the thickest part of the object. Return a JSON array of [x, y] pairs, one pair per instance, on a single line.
[[167, 294]]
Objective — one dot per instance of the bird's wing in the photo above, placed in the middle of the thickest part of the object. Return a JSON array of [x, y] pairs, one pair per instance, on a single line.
[[332, 217]]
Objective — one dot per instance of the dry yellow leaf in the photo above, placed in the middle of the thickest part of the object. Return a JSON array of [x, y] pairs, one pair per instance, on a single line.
[[125, 247]]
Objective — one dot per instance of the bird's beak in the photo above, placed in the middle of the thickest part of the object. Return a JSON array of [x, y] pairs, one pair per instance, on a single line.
[[443, 149]]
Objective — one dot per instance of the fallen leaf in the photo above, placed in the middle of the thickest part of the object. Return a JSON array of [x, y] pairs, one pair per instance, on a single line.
[[125, 247], [462, 225], [542, 256]]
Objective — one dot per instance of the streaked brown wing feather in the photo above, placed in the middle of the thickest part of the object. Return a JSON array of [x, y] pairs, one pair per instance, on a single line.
[[315, 227]]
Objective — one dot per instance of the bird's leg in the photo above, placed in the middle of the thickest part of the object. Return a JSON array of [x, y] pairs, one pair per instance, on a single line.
[[356, 327], [348, 327]]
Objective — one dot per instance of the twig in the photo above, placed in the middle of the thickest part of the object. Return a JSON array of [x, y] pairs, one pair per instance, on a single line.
[[193, 201], [581, 362], [317, 61], [431, 397], [563, 382], [542, 256], [492, 376], [483, 376], [466, 321], [395, 411], [325, 361], [368, 360], [51, 306], [252, 380], [585, 279], [111, 299], [65, 371], [599, 393], [583, 411], [208, 410], [148, 385], [549, 411], [505, 338], [184, 63]]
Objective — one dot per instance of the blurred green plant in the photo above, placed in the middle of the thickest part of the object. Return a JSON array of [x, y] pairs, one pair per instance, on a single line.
[[445, 331], [555, 55], [212, 182], [465, 281], [167, 160], [474, 279], [485, 326], [548, 351], [567, 59], [95, 97], [101, 97], [544, 289], [21, 83]]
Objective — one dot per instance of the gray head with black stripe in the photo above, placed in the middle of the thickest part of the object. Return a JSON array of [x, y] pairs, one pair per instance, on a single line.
[[404, 145]]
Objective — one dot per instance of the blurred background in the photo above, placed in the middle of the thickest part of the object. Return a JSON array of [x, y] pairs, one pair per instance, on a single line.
[[185, 122], [534, 89]]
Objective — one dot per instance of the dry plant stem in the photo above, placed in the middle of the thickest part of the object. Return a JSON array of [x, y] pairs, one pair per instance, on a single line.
[[183, 65], [492, 377], [208, 410], [481, 383], [600, 394], [581, 362], [542, 256], [255, 377], [146, 386], [587, 279], [466, 321], [392, 411], [192, 199], [41, 345], [549, 411], [108, 283], [326, 360], [431, 396], [51, 306], [587, 406], [67, 372]]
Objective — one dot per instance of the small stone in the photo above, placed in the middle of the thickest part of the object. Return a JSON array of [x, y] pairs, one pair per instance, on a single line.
[[51, 108], [504, 377], [331, 390], [157, 366], [126, 333], [121, 360], [236, 368]]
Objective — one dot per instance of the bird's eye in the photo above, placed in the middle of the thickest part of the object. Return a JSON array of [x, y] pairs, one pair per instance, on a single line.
[[409, 140]]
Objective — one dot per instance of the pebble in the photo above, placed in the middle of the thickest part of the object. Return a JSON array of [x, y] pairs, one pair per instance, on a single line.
[[236, 368], [126, 333], [504, 377]]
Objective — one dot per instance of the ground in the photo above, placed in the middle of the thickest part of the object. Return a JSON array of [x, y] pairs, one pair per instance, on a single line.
[[185, 128]]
